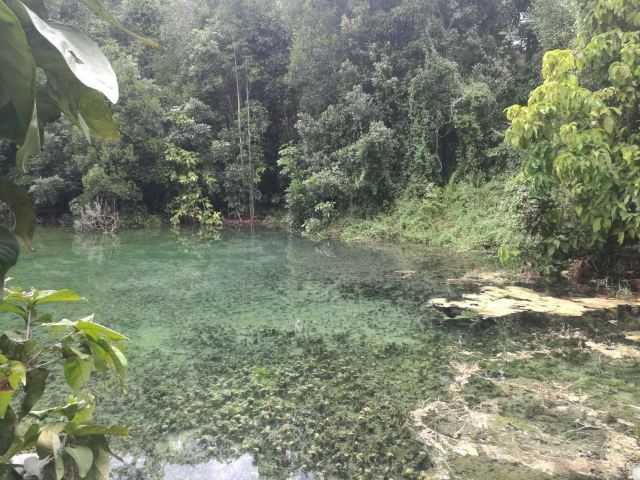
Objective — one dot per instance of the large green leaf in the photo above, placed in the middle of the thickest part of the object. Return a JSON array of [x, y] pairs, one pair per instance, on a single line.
[[43, 297], [83, 456], [96, 331], [31, 144], [9, 251], [7, 431], [81, 54], [17, 77], [17, 347], [7, 307], [20, 202], [100, 468], [77, 371], [101, 11], [84, 106], [36, 383]]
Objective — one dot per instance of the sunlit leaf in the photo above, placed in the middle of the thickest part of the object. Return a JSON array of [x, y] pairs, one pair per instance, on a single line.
[[44, 297], [95, 330], [81, 54], [59, 328], [17, 374], [5, 401], [85, 107]]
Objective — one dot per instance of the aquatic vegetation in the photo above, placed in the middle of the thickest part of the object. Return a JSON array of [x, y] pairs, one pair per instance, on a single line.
[[290, 359]]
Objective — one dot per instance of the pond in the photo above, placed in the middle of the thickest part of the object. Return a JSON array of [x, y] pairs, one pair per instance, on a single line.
[[260, 355]]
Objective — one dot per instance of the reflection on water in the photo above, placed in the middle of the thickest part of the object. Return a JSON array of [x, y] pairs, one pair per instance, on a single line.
[[243, 468]]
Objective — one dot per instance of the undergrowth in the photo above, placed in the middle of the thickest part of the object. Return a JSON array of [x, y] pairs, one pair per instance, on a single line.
[[460, 215]]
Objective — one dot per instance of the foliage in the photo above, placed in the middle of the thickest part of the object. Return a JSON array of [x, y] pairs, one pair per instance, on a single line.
[[346, 158], [554, 22], [189, 174], [64, 439], [581, 150], [460, 215]]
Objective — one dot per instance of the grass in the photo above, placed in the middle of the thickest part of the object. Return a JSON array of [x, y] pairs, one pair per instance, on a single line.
[[461, 216]]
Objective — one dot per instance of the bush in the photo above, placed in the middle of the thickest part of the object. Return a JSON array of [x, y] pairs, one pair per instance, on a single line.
[[460, 215]]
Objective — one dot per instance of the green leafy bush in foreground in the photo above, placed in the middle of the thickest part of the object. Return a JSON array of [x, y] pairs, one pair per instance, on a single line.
[[68, 444], [579, 136]]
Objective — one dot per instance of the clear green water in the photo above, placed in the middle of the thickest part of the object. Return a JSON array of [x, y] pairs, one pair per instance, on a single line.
[[264, 356]]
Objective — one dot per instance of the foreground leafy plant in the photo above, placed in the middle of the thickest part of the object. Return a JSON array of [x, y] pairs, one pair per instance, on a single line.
[[579, 133], [68, 444]]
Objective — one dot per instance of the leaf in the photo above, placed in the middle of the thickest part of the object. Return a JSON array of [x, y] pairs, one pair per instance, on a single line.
[[86, 409], [44, 297], [69, 410], [84, 106], [59, 328], [83, 456], [7, 307], [100, 469], [99, 9], [17, 374], [101, 357], [119, 360], [49, 444], [5, 401], [77, 372], [31, 145], [81, 54], [8, 473], [17, 77], [7, 431], [36, 383], [20, 203], [17, 347], [9, 251], [96, 331]]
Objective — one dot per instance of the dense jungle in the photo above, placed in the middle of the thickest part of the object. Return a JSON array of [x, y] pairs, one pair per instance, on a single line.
[[319, 239], [364, 119]]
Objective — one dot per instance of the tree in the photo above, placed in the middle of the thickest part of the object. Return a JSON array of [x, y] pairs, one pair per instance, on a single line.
[[579, 132]]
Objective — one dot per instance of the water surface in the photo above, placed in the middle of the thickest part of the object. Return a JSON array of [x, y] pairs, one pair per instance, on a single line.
[[260, 355]]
